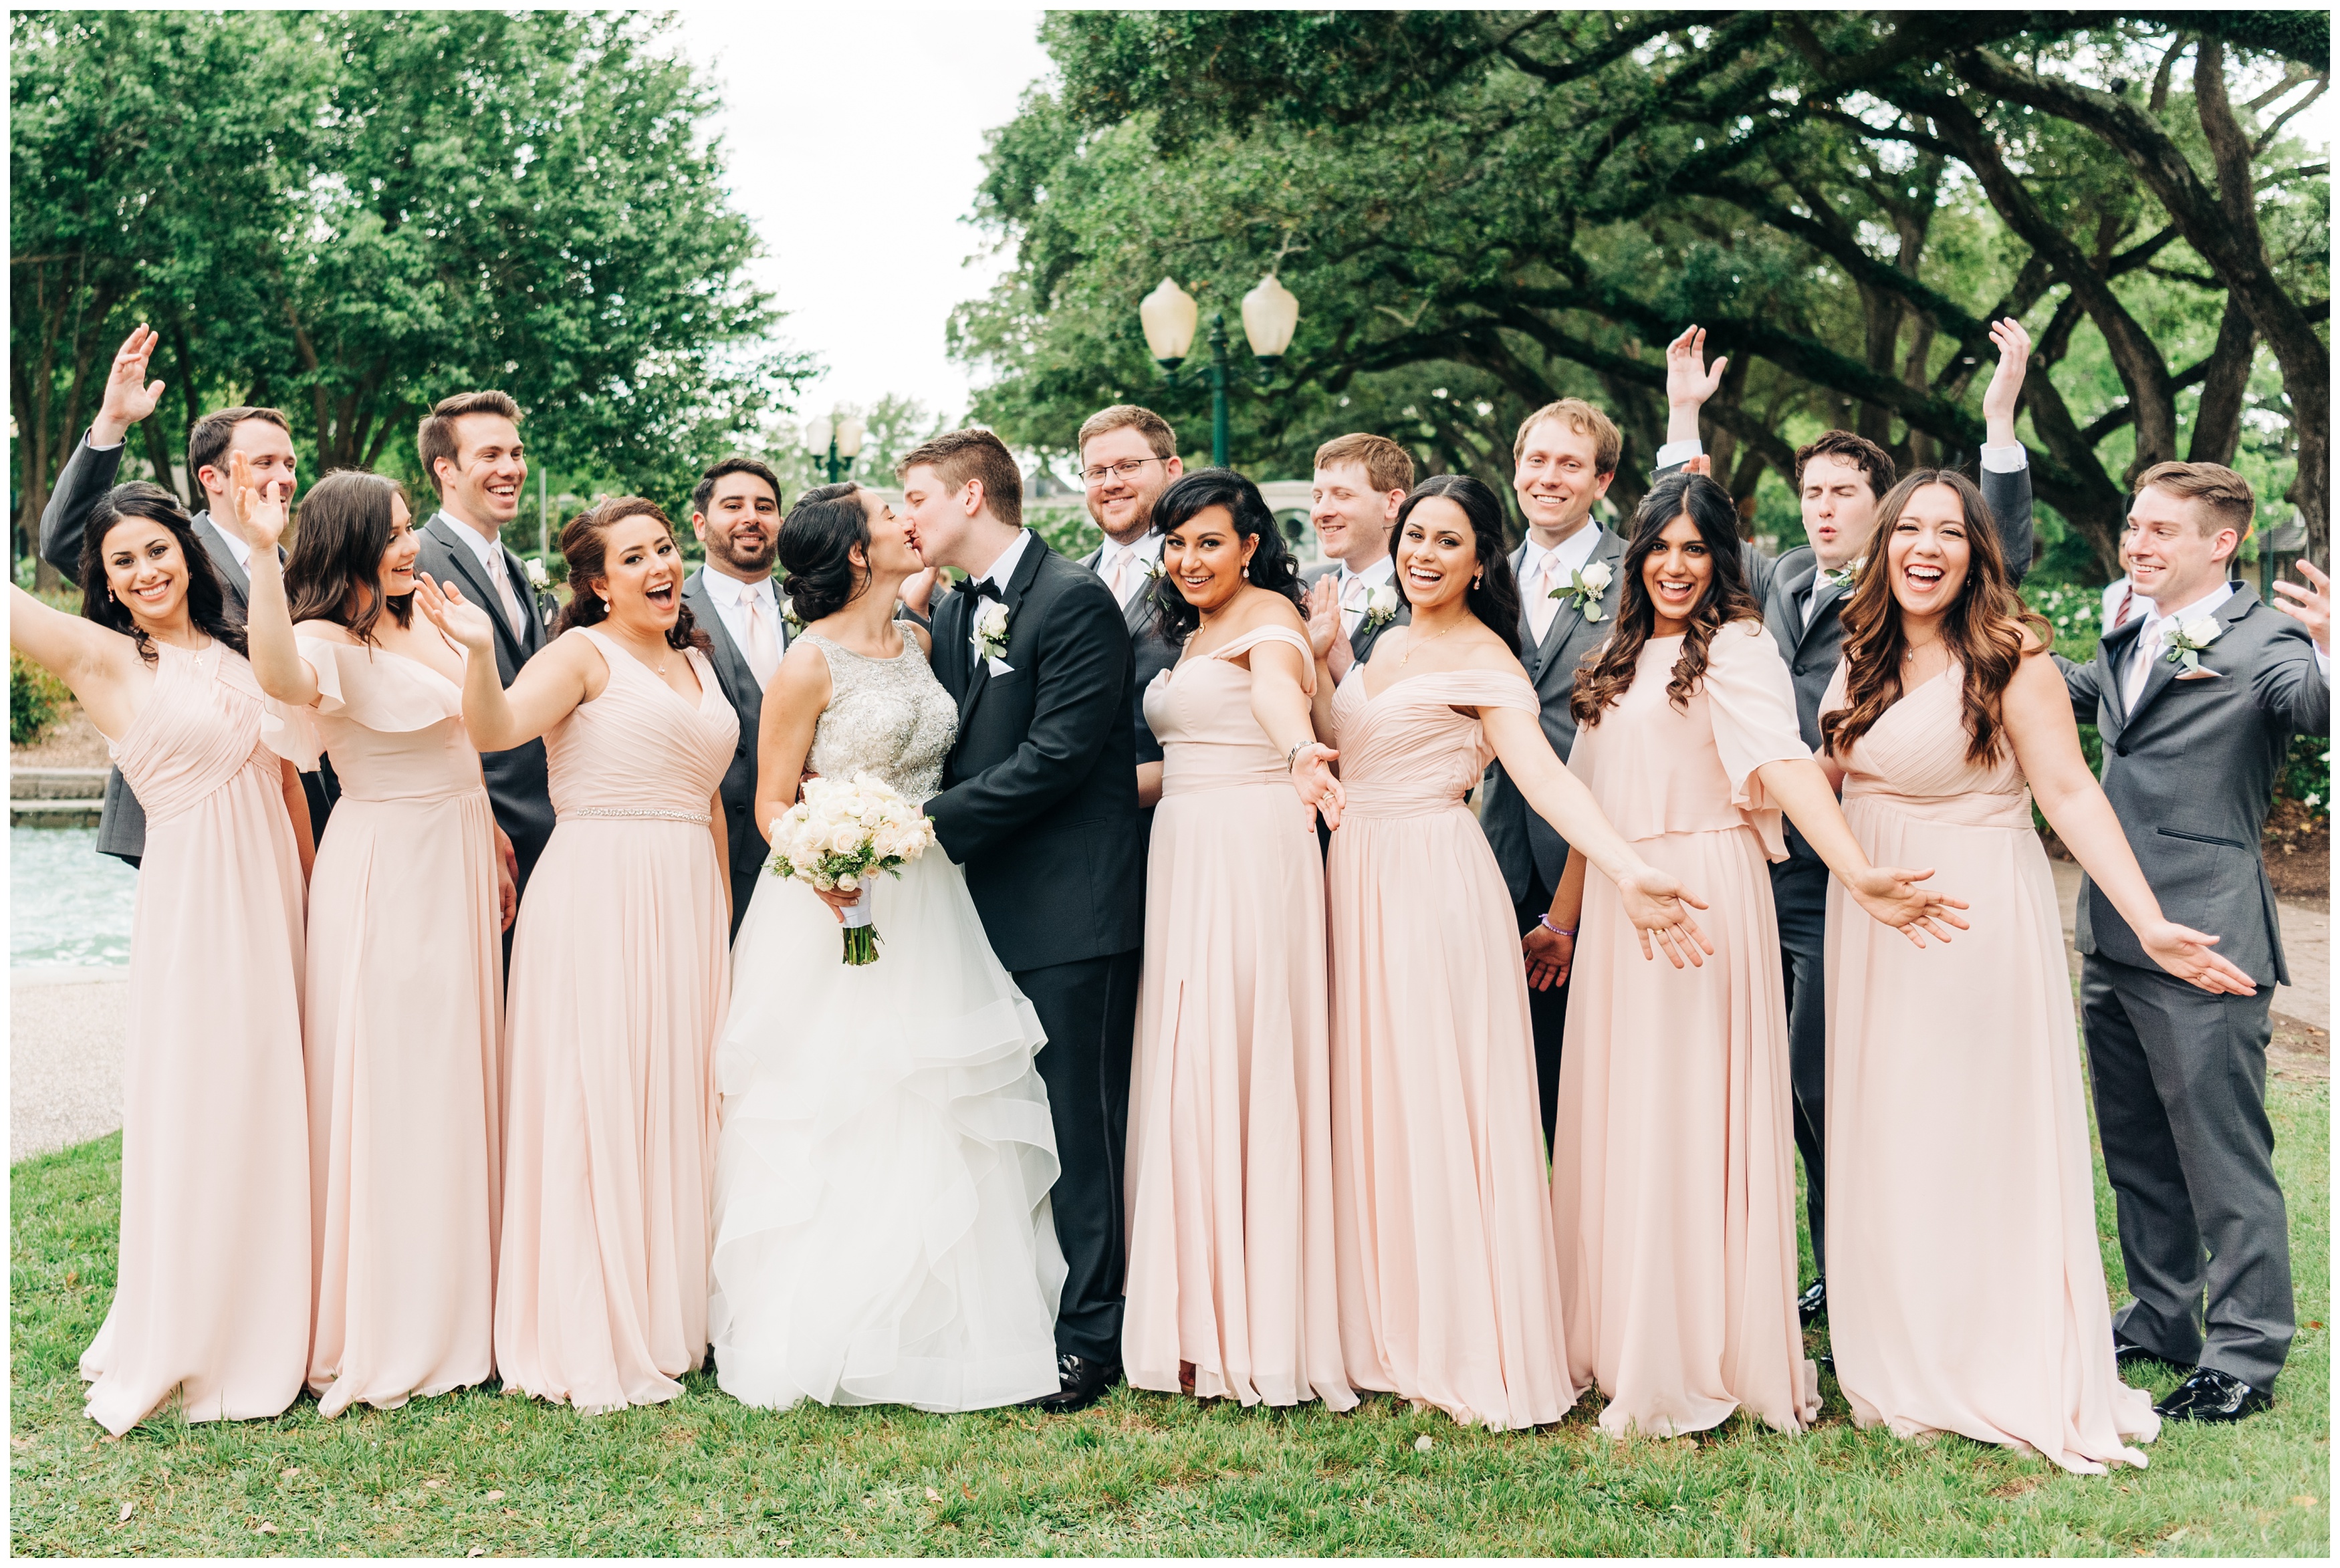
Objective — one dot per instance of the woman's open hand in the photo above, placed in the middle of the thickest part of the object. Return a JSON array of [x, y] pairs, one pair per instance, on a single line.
[[261, 507], [1892, 897], [2185, 953], [1659, 906], [462, 620], [1312, 775]]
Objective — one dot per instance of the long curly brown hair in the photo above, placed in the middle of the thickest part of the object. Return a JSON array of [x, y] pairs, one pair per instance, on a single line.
[[1602, 682], [585, 543], [1984, 627]]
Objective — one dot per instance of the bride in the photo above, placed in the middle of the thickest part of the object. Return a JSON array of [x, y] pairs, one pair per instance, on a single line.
[[882, 1231]]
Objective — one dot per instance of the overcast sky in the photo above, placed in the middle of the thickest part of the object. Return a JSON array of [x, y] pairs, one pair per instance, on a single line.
[[855, 138]]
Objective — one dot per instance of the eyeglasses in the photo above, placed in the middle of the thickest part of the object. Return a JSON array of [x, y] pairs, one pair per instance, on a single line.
[[1126, 469]]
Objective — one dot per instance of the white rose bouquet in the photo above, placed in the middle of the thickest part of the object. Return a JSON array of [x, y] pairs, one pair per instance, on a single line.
[[840, 836]]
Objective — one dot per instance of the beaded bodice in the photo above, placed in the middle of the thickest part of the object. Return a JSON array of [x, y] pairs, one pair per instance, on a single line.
[[889, 718]]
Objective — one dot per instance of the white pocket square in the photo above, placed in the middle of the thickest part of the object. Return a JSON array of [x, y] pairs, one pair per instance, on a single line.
[[1000, 666]]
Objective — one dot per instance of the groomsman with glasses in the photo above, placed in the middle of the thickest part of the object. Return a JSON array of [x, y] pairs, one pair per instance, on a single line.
[[470, 446], [1361, 481], [265, 439], [735, 512], [1129, 456], [2197, 699], [1840, 476]]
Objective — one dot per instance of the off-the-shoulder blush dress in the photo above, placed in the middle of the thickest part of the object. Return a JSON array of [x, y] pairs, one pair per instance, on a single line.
[[1441, 1220], [1230, 1178], [404, 1018]]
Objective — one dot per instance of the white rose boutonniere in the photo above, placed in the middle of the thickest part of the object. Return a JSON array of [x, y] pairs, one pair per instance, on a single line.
[[538, 577], [991, 629], [1584, 587], [2184, 645], [1381, 607], [789, 614], [1842, 576]]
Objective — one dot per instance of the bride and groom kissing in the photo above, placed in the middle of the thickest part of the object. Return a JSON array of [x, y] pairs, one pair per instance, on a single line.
[[918, 1192]]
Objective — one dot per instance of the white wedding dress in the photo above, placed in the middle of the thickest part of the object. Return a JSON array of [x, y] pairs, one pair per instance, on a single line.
[[882, 1233]]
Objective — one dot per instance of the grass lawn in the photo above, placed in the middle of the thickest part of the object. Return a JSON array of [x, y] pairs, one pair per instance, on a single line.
[[1141, 1473]]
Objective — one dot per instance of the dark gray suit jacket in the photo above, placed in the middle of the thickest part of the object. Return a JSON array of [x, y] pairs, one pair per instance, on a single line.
[[2189, 772], [1152, 654], [749, 847], [1362, 644], [88, 475], [1813, 649], [1525, 845], [516, 780]]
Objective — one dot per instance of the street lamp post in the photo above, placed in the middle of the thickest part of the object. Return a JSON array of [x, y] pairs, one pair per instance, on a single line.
[[1169, 315], [843, 440]]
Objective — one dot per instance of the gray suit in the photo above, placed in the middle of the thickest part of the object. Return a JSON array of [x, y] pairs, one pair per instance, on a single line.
[[1812, 649], [749, 846], [516, 778], [87, 477], [2180, 1075], [1362, 644]]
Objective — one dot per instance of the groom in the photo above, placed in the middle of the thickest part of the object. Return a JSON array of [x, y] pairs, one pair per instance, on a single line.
[[1039, 804]]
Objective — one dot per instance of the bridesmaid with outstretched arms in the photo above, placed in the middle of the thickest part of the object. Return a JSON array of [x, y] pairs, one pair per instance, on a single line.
[[1966, 1291], [211, 1296], [1673, 1183], [404, 1008], [620, 971], [1231, 1289], [1442, 1221]]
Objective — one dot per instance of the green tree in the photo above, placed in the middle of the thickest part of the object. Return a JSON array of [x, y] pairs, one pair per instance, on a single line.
[[1514, 207], [350, 214]]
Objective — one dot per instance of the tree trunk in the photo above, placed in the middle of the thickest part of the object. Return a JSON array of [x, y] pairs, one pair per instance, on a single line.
[[2218, 418]]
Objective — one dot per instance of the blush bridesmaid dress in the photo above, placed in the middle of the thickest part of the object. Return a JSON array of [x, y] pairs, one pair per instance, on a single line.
[[210, 1292], [1673, 1186], [621, 974], [1966, 1287], [1442, 1222], [404, 1018], [1230, 1181]]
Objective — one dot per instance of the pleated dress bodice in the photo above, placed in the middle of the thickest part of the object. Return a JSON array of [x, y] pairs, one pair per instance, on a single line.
[[642, 747]]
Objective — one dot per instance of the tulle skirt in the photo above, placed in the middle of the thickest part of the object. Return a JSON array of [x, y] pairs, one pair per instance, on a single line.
[[882, 1227]]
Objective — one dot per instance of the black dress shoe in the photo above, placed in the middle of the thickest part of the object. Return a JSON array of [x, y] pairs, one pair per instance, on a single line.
[[1081, 1383], [2125, 1354], [1812, 1305], [2211, 1394]]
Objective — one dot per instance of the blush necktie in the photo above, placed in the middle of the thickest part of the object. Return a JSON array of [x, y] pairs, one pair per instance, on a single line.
[[1541, 605], [763, 649]]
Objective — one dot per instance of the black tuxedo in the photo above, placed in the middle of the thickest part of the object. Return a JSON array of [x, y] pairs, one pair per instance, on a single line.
[[516, 779], [749, 848], [89, 474], [2179, 1076], [1039, 804]]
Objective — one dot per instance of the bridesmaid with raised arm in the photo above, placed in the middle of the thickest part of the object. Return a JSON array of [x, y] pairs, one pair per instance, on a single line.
[[620, 971], [1967, 1287], [403, 1007], [1441, 1220], [211, 1298], [1674, 1191], [1230, 1287]]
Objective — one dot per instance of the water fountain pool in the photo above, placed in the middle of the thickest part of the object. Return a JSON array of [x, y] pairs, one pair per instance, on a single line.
[[67, 903]]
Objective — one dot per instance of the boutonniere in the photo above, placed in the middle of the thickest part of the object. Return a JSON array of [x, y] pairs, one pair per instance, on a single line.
[[1153, 572], [789, 614], [1842, 576], [1381, 607], [538, 577], [1584, 587], [2184, 645], [991, 629]]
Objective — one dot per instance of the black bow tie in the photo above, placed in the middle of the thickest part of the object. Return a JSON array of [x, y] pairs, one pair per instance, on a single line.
[[979, 588]]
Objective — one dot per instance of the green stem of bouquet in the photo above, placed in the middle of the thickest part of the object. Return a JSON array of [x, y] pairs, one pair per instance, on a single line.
[[860, 944]]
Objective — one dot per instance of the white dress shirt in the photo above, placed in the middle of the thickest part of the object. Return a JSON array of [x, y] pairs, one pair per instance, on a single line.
[[2122, 603], [1133, 560], [732, 598], [1001, 571], [1357, 588]]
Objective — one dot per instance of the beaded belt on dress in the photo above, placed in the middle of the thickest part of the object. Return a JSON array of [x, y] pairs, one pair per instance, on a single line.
[[656, 813]]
